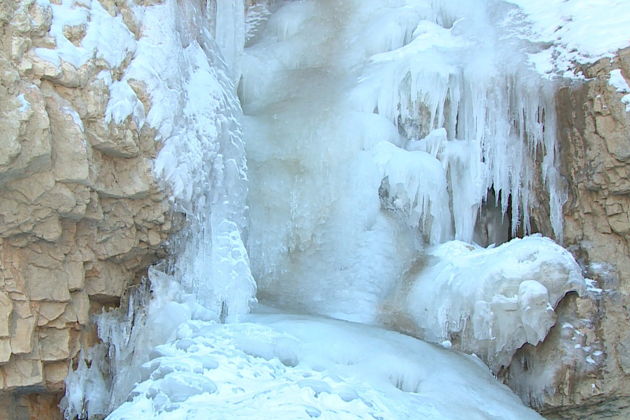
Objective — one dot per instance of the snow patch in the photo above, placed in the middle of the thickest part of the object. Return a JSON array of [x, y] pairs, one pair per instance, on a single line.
[[572, 31]]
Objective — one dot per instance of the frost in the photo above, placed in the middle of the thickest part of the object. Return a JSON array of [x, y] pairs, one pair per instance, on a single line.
[[619, 83], [25, 105], [123, 102]]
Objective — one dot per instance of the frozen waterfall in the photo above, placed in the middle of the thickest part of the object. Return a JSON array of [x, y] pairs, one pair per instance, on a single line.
[[358, 166]]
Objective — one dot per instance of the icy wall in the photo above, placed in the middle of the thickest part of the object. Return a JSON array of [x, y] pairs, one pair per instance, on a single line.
[[376, 133]]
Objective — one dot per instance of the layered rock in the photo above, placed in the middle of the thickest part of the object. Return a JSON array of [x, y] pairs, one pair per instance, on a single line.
[[582, 368], [81, 215]]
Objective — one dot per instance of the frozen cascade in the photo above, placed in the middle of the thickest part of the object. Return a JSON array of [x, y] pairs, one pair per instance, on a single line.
[[196, 115], [375, 132]]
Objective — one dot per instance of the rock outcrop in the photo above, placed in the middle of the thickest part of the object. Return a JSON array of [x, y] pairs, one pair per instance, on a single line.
[[582, 369], [81, 215]]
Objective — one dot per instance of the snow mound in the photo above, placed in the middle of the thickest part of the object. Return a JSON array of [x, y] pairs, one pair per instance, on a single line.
[[298, 367], [488, 301]]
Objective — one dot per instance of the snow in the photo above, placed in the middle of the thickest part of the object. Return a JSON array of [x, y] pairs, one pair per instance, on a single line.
[[25, 105], [573, 31], [123, 102], [106, 36], [619, 83], [300, 367]]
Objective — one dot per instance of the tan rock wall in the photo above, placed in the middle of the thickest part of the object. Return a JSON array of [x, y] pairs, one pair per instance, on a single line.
[[81, 215], [582, 370]]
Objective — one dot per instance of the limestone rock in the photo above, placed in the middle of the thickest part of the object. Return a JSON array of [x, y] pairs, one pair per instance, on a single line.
[[81, 214], [6, 307], [22, 337], [22, 372], [54, 344]]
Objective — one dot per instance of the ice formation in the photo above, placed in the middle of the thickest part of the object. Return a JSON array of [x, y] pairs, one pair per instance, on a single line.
[[383, 137], [202, 162], [489, 302], [375, 129]]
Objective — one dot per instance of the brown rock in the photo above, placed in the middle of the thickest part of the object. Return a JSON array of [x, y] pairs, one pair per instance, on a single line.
[[6, 307], [22, 338], [54, 344]]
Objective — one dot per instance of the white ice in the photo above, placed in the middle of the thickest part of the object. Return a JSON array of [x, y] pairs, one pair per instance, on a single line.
[[377, 128]]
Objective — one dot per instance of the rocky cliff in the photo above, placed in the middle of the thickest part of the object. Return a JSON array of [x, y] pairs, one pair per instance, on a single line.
[[81, 215], [582, 368]]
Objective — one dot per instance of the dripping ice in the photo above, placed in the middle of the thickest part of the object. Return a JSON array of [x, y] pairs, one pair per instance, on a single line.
[[376, 161]]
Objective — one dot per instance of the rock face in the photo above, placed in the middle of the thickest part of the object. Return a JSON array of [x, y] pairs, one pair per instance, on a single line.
[[582, 369], [81, 215]]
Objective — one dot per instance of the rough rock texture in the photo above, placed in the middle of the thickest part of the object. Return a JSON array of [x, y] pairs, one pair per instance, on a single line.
[[582, 369], [81, 215]]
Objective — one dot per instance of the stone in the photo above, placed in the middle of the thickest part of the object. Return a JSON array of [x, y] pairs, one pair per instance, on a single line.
[[22, 372], [623, 350], [55, 373], [54, 344], [6, 307], [70, 147], [49, 311], [81, 307], [81, 215], [47, 284], [5, 349], [106, 281], [582, 368], [22, 338], [49, 229]]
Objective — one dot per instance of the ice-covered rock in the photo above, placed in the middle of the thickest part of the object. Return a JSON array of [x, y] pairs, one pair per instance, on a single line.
[[487, 301]]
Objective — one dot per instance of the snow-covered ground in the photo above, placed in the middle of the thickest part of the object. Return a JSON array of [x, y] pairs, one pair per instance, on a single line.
[[375, 132], [573, 31], [280, 366]]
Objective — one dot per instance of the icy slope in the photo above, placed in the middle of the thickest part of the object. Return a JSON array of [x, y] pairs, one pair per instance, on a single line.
[[279, 366]]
